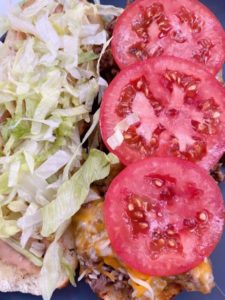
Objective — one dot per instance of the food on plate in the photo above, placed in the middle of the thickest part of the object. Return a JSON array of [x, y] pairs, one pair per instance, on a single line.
[[49, 80], [186, 29], [111, 279], [56, 62], [168, 220], [164, 107]]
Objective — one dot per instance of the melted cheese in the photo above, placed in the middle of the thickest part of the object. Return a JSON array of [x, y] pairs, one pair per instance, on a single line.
[[141, 286], [203, 277], [92, 239], [112, 262], [203, 269], [140, 290], [139, 282]]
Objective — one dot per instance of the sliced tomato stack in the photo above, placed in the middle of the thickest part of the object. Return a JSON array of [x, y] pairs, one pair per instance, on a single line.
[[180, 112], [164, 117], [152, 28]]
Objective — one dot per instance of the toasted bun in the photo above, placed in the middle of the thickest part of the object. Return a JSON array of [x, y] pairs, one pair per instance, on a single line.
[[15, 279], [12, 279]]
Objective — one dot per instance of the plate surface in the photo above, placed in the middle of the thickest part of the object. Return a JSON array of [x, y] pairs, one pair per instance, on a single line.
[[83, 292]]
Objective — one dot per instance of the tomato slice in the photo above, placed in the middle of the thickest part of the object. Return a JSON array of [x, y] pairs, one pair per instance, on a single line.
[[180, 108], [185, 29], [163, 216]]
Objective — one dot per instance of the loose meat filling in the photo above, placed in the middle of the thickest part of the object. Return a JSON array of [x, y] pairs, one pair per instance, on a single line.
[[104, 272]]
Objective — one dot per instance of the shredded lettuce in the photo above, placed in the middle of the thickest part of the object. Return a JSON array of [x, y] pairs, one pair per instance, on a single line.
[[53, 164], [18, 206], [51, 270], [70, 272], [8, 228], [117, 138], [72, 194]]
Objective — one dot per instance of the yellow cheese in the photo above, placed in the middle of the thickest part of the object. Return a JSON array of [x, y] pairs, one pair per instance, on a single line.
[[203, 277], [203, 269], [140, 290], [112, 262], [139, 275]]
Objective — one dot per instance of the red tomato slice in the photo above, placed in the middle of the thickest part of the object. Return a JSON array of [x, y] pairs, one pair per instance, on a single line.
[[180, 108], [185, 29], [163, 216]]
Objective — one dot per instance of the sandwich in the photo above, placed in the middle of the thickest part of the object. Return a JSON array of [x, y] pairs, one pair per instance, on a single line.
[[59, 60]]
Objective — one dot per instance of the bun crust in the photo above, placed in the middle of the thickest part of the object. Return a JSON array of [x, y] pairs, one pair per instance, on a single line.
[[15, 279]]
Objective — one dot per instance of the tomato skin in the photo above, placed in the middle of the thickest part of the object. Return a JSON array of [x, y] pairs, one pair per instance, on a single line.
[[124, 36], [133, 248], [207, 88]]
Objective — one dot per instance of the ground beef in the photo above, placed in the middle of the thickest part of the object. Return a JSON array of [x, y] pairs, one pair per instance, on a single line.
[[218, 172], [108, 66]]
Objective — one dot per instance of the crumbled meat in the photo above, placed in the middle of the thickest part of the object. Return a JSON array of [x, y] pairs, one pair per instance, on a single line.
[[101, 283], [102, 287], [218, 173], [98, 282], [109, 276], [108, 66], [171, 291], [110, 27], [102, 185], [83, 127]]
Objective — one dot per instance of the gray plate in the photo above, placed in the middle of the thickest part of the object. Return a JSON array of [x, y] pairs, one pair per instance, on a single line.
[[83, 292]]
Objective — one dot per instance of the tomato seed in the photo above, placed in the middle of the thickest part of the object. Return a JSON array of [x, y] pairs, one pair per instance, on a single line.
[[170, 232], [143, 225], [216, 115], [137, 201], [172, 243], [161, 242], [140, 84], [192, 87], [202, 216], [138, 214], [158, 182], [130, 207]]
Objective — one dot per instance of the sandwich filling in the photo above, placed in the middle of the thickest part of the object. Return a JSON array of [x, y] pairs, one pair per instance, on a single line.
[[101, 267]]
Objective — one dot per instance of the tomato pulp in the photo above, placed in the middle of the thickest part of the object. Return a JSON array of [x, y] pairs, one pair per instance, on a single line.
[[185, 29], [163, 216], [179, 109]]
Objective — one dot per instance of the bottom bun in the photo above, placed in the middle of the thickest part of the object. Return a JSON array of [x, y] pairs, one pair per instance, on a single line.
[[15, 279]]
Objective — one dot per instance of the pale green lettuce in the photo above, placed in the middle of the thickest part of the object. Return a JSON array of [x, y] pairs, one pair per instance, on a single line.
[[72, 194], [51, 271]]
